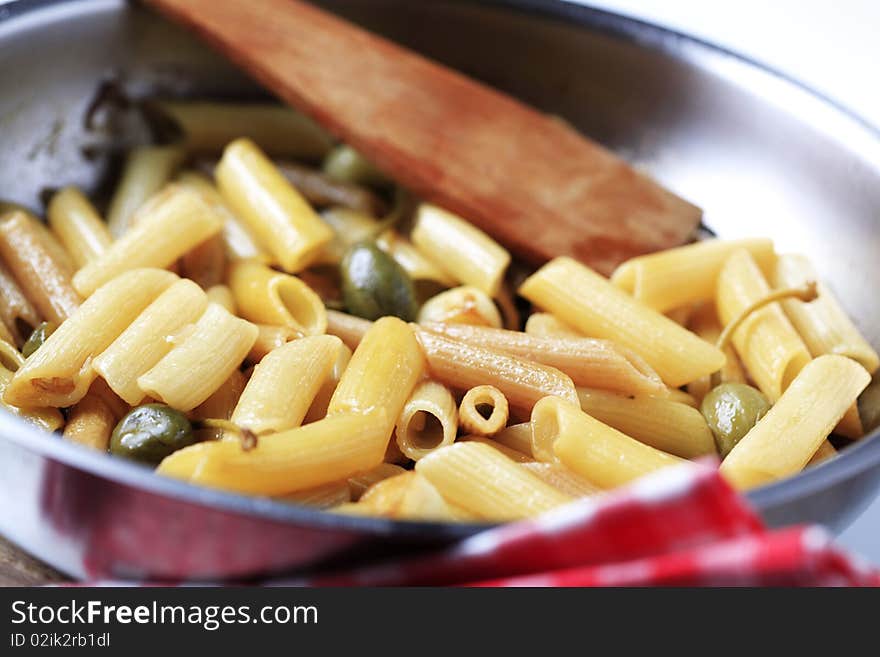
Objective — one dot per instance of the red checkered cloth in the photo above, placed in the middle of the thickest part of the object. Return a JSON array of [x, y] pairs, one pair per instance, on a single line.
[[681, 527]]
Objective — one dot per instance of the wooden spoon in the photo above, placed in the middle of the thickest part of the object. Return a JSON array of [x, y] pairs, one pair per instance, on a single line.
[[527, 179]]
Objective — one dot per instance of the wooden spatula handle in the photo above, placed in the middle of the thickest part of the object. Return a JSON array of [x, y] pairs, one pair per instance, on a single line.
[[529, 180]]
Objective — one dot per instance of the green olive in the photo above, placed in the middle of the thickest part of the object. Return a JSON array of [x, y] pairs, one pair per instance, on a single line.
[[151, 432], [37, 338], [731, 410], [345, 164], [374, 285]]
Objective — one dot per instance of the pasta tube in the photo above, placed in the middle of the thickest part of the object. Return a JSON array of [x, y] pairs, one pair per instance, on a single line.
[[385, 497], [60, 372], [320, 453], [595, 451], [175, 222], [77, 226], [318, 409], [705, 323], [47, 419], [545, 325], [461, 249], [666, 425], [787, 437], [348, 328], [360, 482], [822, 324], [416, 265], [320, 497], [461, 305], [422, 501], [266, 296], [483, 411], [205, 263], [146, 171], [222, 295], [18, 315], [687, 274], [562, 478], [220, 405], [825, 452], [201, 361], [589, 362], [517, 437], [512, 454], [766, 342], [149, 338], [285, 383], [268, 338], [275, 212], [483, 481], [39, 265], [428, 421], [579, 296], [90, 423], [462, 365]]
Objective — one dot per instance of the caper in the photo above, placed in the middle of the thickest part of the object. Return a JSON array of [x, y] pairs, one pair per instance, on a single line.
[[731, 410], [151, 432], [374, 285], [345, 164], [37, 338]]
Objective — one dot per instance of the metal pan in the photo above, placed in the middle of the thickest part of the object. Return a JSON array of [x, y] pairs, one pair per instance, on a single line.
[[761, 153]]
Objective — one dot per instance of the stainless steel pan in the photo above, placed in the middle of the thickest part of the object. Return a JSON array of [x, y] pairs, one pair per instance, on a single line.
[[762, 154]]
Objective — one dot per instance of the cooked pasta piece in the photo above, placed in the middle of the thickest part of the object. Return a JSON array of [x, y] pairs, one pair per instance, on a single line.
[[322, 191], [279, 130], [205, 263], [461, 305], [545, 325], [199, 363], [385, 497], [787, 437], [359, 482], [416, 265], [680, 396], [517, 437], [685, 275], [586, 446], [268, 338], [149, 338], [766, 342], [266, 296], [60, 372], [428, 421], [222, 295], [220, 406], [462, 250], [78, 226], [48, 419], [176, 221], [705, 323], [318, 409], [422, 501], [589, 362], [284, 384], [320, 497], [579, 296], [822, 323], [314, 454], [281, 219], [462, 365], [850, 425], [680, 315], [31, 253], [483, 411], [562, 478], [825, 452], [18, 315], [90, 422], [483, 481], [349, 227], [348, 328], [511, 453], [666, 425], [382, 373], [146, 171]]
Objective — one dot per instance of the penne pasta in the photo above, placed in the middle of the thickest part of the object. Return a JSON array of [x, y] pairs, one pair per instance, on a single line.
[[766, 342], [348, 328], [146, 171], [685, 275], [318, 409], [562, 478], [850, 425], [428, 420], [77, 225], [90, 423], [18, 315], [705, 323], [175, 222], [822, 323], [222, 295], [579, 296], [266, 296], [483, 411], [149, 338], [589, 448], [385, 497], [682, 397], [417, 266], [60, 372], [665, 425], [205, 263], [483, 481], [320, 453], [285, 383], [359, 482], [517, 437], [788, 436], [349, 227], [422, 501], [545, 325], [47, 419], [268, 338], [39, 265], [589, 362], [272, 209], [461, 305], [462, 365], [220, 405], [825, 452], [325, 496], [509, 452], [462, 250], [322, 191]]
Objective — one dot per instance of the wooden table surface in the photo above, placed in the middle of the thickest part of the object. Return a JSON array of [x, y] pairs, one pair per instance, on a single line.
[[20, 569]]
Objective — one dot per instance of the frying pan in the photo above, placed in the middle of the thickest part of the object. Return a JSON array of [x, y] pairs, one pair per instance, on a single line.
[[762, 154]]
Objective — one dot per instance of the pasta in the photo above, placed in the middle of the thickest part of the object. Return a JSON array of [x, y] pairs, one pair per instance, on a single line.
[[77, 226], [18, 315], [562, 478], [90, 423], [545, 325], [582, 298], [483, 411], [48, 419], [461, 305], [428, 421], [320, 497], [512, 454], [268, 338], [788, 436], [360, 482], [321, 402], [422, 501], [705, 323], [348, 328]]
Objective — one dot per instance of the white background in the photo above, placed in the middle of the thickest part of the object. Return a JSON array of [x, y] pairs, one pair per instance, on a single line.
[[833, 45]]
